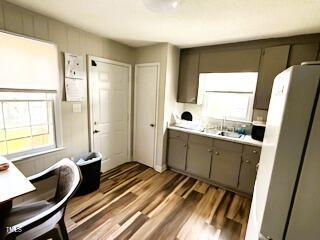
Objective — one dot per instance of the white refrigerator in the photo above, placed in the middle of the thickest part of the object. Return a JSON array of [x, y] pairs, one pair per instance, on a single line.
[[286, 199]]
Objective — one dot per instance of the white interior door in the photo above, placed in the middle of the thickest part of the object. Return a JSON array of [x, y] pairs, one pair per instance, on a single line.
[[145, 113], [110, 92]]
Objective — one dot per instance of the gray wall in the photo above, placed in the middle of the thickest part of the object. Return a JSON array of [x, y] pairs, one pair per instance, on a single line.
[[68, 39]]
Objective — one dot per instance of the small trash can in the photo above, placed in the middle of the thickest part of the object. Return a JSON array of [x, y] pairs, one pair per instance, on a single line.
[[90, 165]]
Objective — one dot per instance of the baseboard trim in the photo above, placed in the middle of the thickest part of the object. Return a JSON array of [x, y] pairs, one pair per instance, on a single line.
[[107, 165], [159, 168]]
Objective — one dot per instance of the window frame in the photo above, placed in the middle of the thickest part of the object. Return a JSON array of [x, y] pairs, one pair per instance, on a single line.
[[56, 122], [202, 92], [249, 107]]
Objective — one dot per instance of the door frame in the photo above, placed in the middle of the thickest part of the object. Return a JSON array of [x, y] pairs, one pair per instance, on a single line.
[[90, 100], [136, 66]]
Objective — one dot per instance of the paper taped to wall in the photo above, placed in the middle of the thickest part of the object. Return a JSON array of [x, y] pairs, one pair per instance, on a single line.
[[74, 89], [73, 66]]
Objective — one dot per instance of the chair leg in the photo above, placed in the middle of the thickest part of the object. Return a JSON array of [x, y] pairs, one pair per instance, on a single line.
[[63, 230]]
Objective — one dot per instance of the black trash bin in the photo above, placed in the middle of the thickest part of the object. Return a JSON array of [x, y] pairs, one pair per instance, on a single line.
[[90, 165]]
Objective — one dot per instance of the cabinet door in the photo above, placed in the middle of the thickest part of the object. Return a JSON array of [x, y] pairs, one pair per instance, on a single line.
[[226, 162], [199, 156], [177, 150], [246, 60], [302, 53], [188, 78], [248, 170], [248, 173], [274, 60]]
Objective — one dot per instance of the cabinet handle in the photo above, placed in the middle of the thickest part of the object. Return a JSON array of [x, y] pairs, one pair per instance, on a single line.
[[184, 145], [210, 150], [247, 161], [255, 151], [217, 153]]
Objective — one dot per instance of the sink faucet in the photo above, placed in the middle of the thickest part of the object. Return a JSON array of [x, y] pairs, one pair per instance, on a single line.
[[223, 122]]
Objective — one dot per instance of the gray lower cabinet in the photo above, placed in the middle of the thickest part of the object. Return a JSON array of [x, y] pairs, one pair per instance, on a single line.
[[177, 150], [247, 175], [248, 171], [199, 156], [226, 162]]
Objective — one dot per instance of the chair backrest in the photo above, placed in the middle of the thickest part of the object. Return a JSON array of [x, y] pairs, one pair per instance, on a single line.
[[69, 179]]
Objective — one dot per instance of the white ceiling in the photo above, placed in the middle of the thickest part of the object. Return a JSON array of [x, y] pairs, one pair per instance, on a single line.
[[193, 23]]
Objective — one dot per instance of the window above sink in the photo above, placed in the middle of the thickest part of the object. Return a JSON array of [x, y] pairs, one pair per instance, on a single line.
[[227, 95]]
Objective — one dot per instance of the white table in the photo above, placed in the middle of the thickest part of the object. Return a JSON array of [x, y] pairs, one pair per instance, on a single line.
[[13, 183]]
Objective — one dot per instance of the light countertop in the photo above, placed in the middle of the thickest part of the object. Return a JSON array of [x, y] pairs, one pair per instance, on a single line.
[[246, 139]]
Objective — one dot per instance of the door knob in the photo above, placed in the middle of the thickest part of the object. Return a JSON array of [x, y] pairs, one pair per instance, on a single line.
[[96, 131], [151, 125]]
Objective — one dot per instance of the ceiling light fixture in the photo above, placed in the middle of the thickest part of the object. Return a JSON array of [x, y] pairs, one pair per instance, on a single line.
[[160, 6]]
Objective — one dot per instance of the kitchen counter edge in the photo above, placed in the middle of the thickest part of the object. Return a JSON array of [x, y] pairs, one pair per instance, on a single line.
[[247, 139]]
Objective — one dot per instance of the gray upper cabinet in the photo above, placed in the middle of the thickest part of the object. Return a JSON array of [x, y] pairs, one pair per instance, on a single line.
[[1, 16], [274, 60], [226, 162], [177, 150], [248, 171], [246, 60], [302, 53], [199, 155], [188, 78], [12, 18]]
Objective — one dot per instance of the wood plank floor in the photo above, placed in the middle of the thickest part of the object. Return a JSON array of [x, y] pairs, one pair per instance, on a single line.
[[136, 202]]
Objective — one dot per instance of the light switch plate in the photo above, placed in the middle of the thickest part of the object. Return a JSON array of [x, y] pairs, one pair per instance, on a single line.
[[76, 107]]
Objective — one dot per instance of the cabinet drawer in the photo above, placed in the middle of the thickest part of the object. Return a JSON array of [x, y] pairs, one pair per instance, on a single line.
[[251, 152], [178, 134], [200, 140], [220, 145]]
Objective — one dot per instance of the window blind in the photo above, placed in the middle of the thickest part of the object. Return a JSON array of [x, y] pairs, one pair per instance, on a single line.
[[27, 63]]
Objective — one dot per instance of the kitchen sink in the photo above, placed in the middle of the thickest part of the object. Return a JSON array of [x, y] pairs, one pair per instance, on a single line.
[[230, 134], [212, 131]]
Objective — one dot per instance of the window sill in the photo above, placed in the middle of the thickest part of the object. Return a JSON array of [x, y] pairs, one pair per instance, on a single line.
[[15, 159]]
